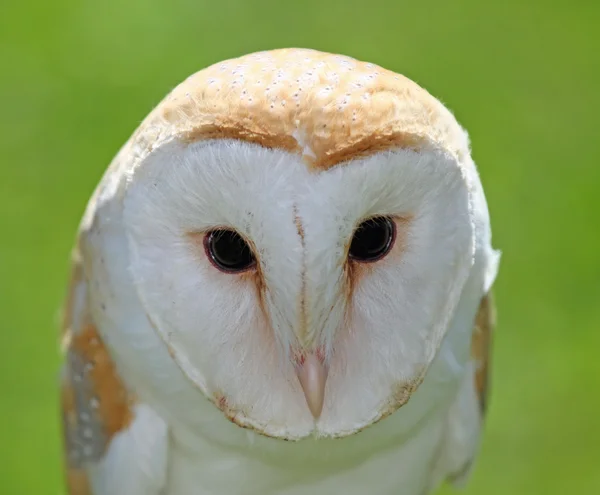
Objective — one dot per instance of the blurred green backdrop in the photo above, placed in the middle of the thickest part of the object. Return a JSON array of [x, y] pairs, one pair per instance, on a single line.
[[78, 76]]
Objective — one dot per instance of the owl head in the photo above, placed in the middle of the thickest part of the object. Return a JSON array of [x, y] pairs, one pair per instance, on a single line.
[[298, 232]]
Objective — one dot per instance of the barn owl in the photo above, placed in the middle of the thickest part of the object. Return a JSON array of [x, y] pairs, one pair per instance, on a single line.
[[281, 285]]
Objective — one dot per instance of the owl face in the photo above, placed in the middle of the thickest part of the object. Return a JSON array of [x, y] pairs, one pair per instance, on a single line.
[[300, 292]]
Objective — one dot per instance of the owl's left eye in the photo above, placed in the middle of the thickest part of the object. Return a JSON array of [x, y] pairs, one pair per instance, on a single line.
[[228, 251]]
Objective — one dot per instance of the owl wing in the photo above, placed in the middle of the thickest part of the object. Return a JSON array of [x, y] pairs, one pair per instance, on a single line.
[[113, 445], [467, 414]]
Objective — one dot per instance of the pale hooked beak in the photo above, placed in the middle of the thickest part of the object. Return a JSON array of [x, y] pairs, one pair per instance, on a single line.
[[312, 375]]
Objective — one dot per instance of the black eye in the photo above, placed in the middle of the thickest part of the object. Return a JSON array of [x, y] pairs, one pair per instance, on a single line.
[[373, 239], [228, 251]]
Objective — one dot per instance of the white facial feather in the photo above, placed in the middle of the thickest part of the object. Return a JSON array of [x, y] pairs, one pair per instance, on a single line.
[[378, 344]]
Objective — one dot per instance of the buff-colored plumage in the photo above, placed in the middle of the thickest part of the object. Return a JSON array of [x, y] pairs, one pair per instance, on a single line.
[[123, 357], [328, 108]]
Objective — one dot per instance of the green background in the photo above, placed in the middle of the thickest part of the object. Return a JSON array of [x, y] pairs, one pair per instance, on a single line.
[[76, 78]]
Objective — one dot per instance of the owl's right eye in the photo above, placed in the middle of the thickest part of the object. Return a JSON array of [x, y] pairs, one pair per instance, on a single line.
[[373, 239], [228, 251]]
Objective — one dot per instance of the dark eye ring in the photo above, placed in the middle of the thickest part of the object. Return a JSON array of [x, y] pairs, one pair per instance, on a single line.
[[228, 251], [373, 239]]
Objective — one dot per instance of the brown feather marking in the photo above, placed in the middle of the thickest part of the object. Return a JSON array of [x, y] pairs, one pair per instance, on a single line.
[[95, 405], [481, 351], [114, 404], [481, 348], [303, 331]]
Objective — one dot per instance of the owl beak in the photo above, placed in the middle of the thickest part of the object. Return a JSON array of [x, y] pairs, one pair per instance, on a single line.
[[312, 375]]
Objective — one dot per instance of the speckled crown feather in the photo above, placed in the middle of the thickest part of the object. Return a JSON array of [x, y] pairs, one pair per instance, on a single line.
[[328, 108]]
